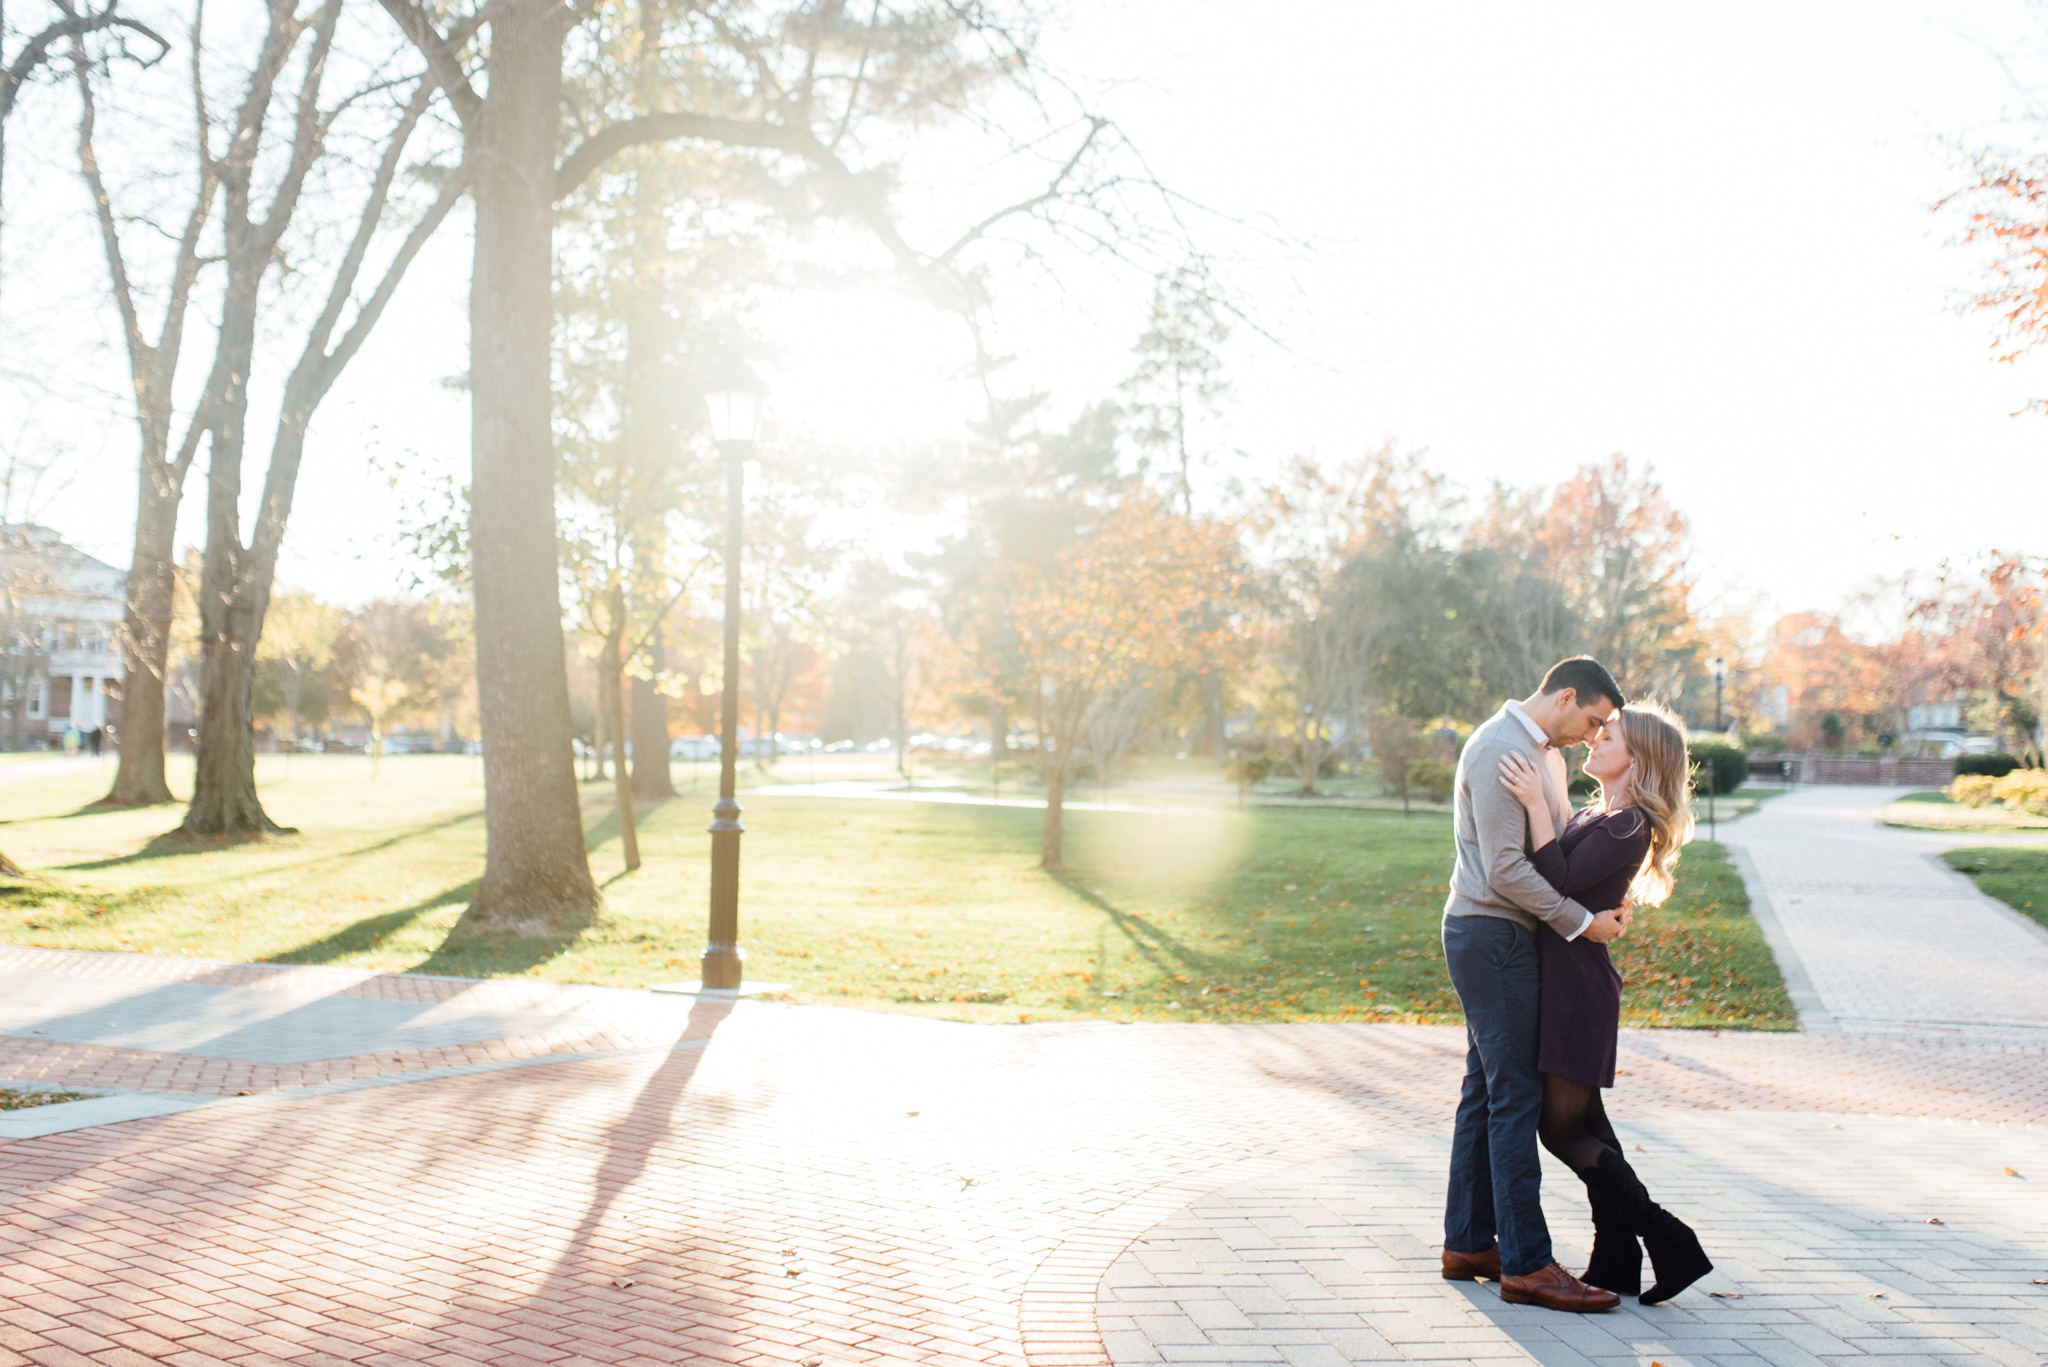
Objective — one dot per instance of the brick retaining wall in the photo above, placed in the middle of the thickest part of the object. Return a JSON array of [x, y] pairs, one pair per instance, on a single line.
[[1816, 766]]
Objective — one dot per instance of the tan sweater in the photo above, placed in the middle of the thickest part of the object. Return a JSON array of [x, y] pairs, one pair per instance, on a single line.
[[1493, 875]]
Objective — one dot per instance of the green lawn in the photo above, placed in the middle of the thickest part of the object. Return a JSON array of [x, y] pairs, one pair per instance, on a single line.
[[1201, 914], [2017, 876]]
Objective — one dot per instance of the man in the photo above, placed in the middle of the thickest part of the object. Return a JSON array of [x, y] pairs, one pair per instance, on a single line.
[[1493, 1218]]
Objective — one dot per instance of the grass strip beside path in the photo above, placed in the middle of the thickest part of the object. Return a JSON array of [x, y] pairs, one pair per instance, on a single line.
[[1934, 810], [19, 1099], [2016, 875], [1202, 914]]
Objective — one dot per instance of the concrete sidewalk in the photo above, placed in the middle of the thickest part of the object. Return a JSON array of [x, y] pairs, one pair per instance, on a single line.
[[1878, 936], [621, 1177]]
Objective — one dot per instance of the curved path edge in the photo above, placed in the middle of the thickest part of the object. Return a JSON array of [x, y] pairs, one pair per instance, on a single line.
[[1056, 1315]]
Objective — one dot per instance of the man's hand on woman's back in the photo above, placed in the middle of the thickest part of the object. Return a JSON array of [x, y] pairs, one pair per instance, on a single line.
[[1607, 926]]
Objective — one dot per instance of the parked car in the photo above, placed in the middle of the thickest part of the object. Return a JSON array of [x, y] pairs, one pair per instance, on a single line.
[[694, 747]]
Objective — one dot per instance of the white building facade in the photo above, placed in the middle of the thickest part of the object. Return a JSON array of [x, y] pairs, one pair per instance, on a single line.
[[64, 611]]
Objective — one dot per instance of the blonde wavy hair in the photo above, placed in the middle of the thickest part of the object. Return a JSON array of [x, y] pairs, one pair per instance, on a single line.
[[1660, 787]]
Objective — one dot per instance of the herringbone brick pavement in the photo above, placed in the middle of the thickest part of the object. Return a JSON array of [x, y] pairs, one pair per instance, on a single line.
[[769, 1183]]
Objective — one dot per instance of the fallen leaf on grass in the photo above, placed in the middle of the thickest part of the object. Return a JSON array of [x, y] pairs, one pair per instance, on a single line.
[[1726, 1295]]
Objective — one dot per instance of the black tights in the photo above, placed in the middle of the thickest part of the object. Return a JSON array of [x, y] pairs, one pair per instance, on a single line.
[[1573, 1124]]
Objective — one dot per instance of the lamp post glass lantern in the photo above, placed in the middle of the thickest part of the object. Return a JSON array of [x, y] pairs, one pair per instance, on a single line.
[[734, 408]]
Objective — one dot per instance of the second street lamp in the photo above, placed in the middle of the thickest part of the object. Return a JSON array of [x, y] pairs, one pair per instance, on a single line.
[[1719, 669], [735, 411]]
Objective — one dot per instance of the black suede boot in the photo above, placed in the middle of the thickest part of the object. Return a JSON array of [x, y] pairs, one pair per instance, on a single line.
[[1675, 1253], [1617, 1261]]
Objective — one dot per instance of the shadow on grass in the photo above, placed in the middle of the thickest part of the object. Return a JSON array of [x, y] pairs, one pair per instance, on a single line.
[[171, 844], [606, 827], [174, 842], [480, 954], [372, 931], [462, 954], [1164, 951], [32, 893]]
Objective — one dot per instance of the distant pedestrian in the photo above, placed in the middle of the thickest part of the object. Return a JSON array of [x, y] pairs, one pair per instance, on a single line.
[[71, 740], [94, 739]]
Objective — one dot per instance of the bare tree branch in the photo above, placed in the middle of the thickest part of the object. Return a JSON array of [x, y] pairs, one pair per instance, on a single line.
[[72, 25], [442, 54], [593, 151]]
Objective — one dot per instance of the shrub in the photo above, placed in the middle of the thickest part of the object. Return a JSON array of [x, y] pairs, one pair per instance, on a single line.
[[1718, 766], [1997, 764], [1974, 790], [2025, 790], [1249, 769], [1432, 779]]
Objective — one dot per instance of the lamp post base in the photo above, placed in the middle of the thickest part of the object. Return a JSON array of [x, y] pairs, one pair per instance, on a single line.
[[698, 989], [724, 967]]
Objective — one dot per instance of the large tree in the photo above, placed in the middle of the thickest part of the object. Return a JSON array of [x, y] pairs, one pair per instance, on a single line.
[[248, 195], [818, 91]]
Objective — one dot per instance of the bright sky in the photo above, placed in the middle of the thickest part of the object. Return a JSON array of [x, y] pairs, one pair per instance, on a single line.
[[1699, 236]]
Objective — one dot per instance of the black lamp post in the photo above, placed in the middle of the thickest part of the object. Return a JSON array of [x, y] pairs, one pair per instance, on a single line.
[[735, 410], [1718, 667]]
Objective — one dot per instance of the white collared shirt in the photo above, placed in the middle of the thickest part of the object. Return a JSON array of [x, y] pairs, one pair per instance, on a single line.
[[1536, 733]]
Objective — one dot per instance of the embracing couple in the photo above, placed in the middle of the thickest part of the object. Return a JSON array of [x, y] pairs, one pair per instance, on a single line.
[[1538, 893]]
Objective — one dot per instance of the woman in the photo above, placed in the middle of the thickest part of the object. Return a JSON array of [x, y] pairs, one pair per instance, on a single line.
[[1623, 845]]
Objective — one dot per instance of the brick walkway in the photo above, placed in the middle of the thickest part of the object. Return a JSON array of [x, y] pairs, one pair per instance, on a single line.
[[651, 1180]]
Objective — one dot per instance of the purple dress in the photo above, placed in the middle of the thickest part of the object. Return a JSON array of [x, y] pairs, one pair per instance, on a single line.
[[1593, 861]]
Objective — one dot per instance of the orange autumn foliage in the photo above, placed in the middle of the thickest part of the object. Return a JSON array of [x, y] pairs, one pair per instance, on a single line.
[[1132, 598]]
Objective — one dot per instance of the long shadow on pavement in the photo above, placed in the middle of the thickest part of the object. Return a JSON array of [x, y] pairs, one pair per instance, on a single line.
[[631, 1146]]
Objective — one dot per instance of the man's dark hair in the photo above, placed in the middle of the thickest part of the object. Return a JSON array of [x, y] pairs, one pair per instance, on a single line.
[[1585, 675]]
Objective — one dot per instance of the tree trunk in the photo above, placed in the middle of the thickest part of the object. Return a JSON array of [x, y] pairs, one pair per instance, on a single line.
[[146, 642], [1053, 844], [651, 779], [224, 800], [615, 712], [1212, 715], [600, 730], [536, 874]]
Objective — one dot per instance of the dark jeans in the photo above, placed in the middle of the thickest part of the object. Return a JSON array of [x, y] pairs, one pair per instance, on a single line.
[[1496, 1175]]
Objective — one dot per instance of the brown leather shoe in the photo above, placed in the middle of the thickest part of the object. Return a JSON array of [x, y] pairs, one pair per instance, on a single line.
[[1470, 1267], [1553, 1288]]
